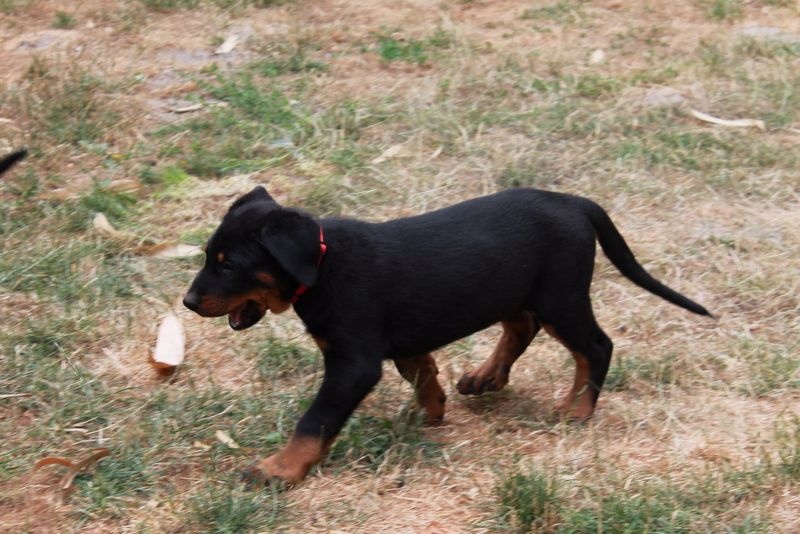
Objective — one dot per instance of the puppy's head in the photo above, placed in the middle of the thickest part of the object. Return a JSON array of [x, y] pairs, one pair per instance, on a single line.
[[255, 261]]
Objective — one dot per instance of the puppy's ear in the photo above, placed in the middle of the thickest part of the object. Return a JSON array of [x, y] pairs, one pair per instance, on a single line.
[[258, 194], [293, 240]]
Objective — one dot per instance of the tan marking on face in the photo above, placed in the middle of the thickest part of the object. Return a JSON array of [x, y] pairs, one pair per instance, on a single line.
[[268, 298], [265, 278], [220, 257]]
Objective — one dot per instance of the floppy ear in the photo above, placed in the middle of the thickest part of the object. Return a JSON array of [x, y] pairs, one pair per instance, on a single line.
[[293, 239], [257, 194]]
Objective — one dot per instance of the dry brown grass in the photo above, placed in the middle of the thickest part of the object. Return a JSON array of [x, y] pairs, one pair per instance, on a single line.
[[504, 96]]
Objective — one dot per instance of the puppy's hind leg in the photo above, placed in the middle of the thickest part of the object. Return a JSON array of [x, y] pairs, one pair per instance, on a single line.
[[421, 371], [492, 375], [591, 347]]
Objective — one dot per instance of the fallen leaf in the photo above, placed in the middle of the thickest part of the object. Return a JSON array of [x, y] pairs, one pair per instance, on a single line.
[[733, 123], [73, 468], [102, 226], [225, 439], [597, 57], [53, 460], [170, 250], [124, 185], [187, 109], [99, 454], [390, 152], [170, 345], [228, 45]]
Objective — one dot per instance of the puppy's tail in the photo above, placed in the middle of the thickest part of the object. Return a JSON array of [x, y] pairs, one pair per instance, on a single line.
[[617, 251], [8, 161]]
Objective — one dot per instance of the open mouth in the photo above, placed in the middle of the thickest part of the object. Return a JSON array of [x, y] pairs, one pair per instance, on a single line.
[[246, 315]]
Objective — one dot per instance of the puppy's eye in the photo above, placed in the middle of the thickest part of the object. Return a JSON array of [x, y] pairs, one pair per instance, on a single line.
[[227, 267]]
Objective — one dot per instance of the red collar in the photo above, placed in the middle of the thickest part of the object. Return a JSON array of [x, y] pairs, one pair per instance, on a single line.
[[323, 248]]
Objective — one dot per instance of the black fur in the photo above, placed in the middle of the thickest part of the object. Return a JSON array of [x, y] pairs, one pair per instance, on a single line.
[[406, 287], [8, 161]]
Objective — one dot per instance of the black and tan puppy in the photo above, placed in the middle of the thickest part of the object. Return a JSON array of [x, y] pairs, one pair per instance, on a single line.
[[401, 289], [9, 160]]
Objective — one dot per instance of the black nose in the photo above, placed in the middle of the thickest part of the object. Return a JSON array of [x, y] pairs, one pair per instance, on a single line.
[[192, 301]]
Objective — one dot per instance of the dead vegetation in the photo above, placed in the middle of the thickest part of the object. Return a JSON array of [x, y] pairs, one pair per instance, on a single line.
[[157, 114]]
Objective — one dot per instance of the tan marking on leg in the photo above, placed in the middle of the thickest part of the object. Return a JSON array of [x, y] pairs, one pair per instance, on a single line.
[[493, 374], [421, 371], [292, 463], [577, 403]]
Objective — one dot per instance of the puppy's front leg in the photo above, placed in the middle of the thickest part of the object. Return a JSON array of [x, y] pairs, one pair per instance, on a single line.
[[348, 379]]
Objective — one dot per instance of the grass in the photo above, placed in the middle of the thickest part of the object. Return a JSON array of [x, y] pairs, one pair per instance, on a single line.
[[528, 501], [336, 113], [418, 51], [723, 9], [64, 105], [225, 508], [168, 5], [532, 501], [379, 443], [64, 20], [563, 12]]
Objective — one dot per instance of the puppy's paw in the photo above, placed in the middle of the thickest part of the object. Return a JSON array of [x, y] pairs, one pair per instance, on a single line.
[[575, 410], [271, 472], [475, 384]]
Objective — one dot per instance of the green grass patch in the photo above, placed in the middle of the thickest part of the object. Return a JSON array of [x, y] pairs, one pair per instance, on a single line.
[[169, 5], [65, 105], [374, 442], [11, 6], [64, 21], [562, 12], [528, 502], [723, 9], [226, 508], [258, 127], [730, 501], [276, 358], [418, 51], [626, 370], [281, 59], [773, 366]]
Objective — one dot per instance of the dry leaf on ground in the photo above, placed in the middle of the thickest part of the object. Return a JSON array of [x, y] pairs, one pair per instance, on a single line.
[[225, 438], [101, 224], [733, 123], [73, 467]]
